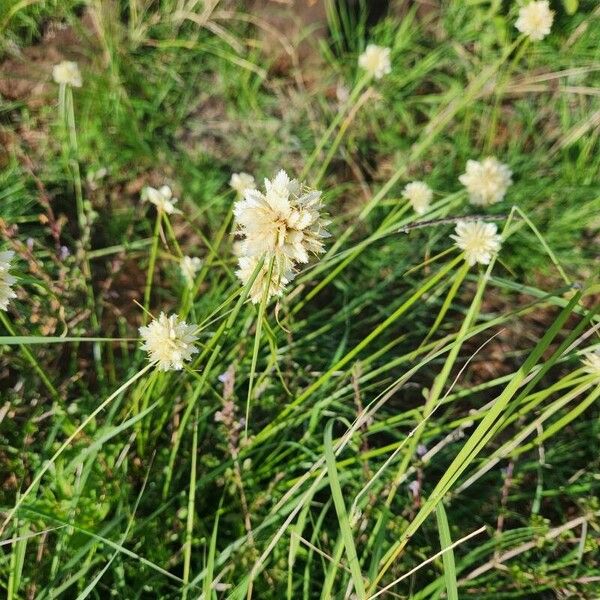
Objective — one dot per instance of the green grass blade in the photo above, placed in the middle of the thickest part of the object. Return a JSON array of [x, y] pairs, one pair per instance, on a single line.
[[448, 556], [340, 509]]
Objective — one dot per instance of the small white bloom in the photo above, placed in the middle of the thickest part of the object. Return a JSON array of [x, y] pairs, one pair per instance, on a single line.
[[478, 240], [486, 181], [67, 73], [189, 268], [6, 279], [419, 194], [241, 182], [169, 342], [161, 198], [375, 60], [284, 220], [591, 362], [281, 274], [535, 20]]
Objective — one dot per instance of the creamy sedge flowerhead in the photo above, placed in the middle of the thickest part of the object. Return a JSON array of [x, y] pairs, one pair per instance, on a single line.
[[67, 73], [375, 60], [241, 182], [486, 181], [535, 20], [169, 342], [478, 240], [6, 279], [284, 220], [419, 195], [591, 362], [162, 198], [281, 274], [189, 266]]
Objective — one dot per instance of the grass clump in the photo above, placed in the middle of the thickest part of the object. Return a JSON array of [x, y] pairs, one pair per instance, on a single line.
[[361, 380]]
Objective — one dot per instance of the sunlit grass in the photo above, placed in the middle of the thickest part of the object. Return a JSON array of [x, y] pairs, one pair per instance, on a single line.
[[398, 423]]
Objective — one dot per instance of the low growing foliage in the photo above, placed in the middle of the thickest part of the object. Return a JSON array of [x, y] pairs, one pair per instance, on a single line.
[[299, 300]]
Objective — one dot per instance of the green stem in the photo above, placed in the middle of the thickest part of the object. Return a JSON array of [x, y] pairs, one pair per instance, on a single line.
[[261, 314], [151, 264], [189, 530]]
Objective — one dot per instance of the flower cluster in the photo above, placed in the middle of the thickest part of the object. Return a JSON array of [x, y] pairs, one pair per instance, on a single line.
[[535, 20], [6, 279], [189, 267], [478, 240], [162, 198], [283, 223], [67, 73], [486, 181], [375, 60], [419, 195], [169, 342], [591, 363], [241, 182]]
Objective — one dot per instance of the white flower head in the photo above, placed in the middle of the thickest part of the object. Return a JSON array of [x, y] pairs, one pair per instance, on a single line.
[[375, 60], [479, 241], [67, 73], [535, 20], [6, 279], [486, 181], [241, 182], [169, 342], [281, 274], [419, 194], [591, 362], [189, 268], [284, 220], [162, 198]]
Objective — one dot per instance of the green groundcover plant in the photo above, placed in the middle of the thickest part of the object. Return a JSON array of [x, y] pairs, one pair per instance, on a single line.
[[298, 309]]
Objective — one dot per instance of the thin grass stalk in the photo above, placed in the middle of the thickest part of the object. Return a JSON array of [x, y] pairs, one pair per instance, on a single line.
[[189, 528], [151, 264], [340, 508], [259, 320]]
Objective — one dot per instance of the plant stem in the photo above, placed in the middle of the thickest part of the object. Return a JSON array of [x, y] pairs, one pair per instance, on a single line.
[[151, 263]]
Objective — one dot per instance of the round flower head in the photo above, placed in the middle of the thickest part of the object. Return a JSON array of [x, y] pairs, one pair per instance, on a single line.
[[67, 73], [161, 198], [241, 182], [419, 194], [189, 268], [486, 181], [281, 274], [535, 20], [591, 363], [284, 220], [6, 279], [375, 60], [478, 240], [169, 342]]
